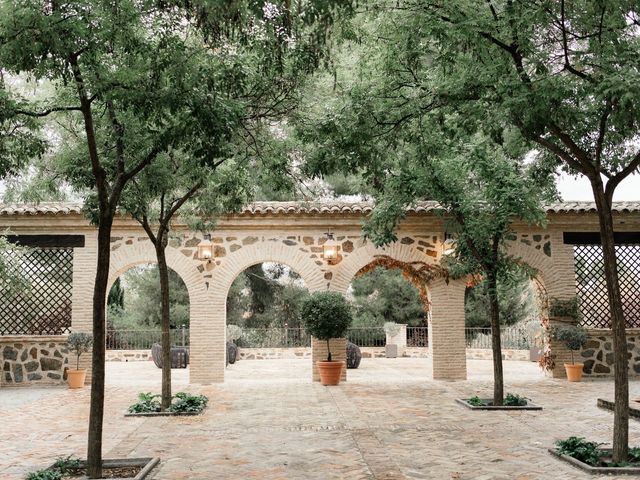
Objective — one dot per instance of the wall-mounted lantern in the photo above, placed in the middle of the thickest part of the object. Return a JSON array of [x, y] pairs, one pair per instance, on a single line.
[[330, 248], [449, 244], [205, 248]]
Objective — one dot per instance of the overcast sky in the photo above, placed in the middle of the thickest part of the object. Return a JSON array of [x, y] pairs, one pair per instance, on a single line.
[[572, 188]]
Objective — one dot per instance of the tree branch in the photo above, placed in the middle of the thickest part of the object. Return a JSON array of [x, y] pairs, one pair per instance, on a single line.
[[624, 173]]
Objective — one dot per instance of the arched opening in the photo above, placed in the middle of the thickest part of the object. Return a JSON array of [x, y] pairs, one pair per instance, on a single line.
[[263, 324], [392, 307], [134, 318], [523, 303]]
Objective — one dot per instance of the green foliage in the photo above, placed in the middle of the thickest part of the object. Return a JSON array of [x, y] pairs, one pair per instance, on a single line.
[[65, 464], [574, 338], [266, 296], [578, 448], [475, 401], [565, 308], [142, 300], [186, 403], [115, 299], [234, 332], [383, 295], [45, 474], [515, 400], [147, 402], [326, 315], [14, 282], [516, 300], [79, 343], [183, 402], [60, 468]]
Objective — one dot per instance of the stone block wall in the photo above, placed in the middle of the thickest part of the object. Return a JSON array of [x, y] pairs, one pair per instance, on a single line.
[[597, 355], [128, 355], [29, 360]]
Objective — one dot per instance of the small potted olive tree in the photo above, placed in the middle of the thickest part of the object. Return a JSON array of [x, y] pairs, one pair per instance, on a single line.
[[574, 338], [79, 343], [327, 315]]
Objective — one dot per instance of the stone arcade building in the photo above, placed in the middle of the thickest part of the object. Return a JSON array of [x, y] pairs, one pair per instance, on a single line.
[[293, 234]]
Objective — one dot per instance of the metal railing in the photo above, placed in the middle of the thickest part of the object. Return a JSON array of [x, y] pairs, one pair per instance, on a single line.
[[274, 338], [510, 337], [367, 336], [417, 337], [143, 339]]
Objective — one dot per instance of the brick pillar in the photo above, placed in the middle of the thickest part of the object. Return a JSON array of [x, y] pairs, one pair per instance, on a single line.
[[319, 353], [446, 330], [84, 272]]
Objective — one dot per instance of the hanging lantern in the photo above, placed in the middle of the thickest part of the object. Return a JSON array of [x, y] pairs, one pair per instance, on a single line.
[[330, 248], [205, 248], [449, 244]]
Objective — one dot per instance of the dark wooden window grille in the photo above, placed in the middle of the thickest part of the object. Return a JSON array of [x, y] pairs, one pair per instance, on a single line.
[[44, 307], [592, 288]]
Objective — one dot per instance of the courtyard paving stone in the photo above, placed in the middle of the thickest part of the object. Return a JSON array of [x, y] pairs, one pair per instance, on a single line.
[[268, 421]]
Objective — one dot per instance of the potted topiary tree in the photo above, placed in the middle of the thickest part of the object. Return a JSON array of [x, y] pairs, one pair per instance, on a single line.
[[79, 343], [327, 315], [574, 338]]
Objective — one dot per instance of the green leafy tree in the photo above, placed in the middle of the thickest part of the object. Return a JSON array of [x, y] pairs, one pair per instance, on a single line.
[[131, 81], [564, 75], [409, 150]]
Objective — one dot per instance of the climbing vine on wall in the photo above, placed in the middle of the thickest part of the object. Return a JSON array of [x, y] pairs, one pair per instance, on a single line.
[[417, 273]]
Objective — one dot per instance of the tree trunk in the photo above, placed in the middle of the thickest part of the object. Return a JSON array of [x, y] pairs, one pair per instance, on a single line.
[[620, 352], [496, 347], [165, 322], [94, 447], [328, 351]]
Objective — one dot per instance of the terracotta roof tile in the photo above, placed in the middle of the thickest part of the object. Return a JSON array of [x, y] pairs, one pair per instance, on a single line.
[[289, 208]]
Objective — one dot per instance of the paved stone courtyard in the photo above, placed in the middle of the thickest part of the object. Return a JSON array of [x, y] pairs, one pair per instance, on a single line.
[[268, 421]]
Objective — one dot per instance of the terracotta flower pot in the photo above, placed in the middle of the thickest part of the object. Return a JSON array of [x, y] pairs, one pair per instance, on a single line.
[[574, 371], [75, 378], [330, 372]]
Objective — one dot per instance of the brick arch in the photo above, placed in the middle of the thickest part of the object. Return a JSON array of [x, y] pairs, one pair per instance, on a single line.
[[544, 265], [200, 317], [129, 256], [210, 365], [269, 251], [366, 253]]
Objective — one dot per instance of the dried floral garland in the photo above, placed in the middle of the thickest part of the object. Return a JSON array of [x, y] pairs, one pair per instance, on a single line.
[[417, 273]]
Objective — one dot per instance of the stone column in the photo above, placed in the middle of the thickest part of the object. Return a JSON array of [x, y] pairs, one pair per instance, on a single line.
[[446, 330], [338, 348]]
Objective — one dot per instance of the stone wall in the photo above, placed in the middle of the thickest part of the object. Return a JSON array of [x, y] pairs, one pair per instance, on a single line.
[[28, 360], [597, 355], [128, 355]]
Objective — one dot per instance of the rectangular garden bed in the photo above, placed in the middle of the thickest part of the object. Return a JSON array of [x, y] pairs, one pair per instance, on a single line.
[[123, 469], [608, 405], [163, 414], [596, 470], [489, 406]]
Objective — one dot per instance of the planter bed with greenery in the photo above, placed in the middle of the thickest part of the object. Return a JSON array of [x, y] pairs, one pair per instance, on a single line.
[[511, 402], [183, 404], [71, 468], [590, 457], [608, 405]]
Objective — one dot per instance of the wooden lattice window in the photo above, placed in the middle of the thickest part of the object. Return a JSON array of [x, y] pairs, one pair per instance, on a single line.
[[592, 288], [43, 305]]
